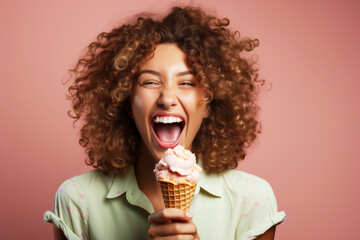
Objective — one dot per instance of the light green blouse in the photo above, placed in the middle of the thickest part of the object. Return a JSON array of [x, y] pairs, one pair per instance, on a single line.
[[231, 205]]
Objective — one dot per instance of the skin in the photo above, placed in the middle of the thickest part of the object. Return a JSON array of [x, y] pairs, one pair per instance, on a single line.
[[58, 234], [268, 235], [166, 86]]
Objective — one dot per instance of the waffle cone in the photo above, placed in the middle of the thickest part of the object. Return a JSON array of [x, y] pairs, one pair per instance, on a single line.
[[177, 195]]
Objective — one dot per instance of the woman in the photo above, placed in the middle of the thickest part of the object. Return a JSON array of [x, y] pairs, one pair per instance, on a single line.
[[186, 71]]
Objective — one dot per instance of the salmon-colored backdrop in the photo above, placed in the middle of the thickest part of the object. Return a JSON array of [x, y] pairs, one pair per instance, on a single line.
[[309, 150]]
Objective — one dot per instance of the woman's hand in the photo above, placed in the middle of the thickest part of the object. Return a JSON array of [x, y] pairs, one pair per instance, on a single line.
[[172, 223]]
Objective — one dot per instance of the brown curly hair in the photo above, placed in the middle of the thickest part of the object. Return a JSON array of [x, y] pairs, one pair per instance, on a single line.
[[105, 76]]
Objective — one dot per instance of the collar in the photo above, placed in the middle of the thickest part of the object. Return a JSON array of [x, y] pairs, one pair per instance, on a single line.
[[122, 184], [210, 183], [127, 184]]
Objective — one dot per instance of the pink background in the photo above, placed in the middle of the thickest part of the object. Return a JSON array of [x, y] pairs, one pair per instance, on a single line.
[[309, 150]]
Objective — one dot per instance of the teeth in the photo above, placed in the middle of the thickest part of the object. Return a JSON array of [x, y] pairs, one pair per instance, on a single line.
[[167, 120]]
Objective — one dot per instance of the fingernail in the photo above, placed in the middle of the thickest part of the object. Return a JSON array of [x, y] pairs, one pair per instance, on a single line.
[[189, 215]]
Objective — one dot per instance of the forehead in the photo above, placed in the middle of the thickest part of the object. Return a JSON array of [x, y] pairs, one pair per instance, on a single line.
[[166, 55]]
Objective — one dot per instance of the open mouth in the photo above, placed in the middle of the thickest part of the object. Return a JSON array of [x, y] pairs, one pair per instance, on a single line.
[[168, 130]]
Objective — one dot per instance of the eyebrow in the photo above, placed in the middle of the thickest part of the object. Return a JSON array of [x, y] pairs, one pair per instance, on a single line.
[[151, 72], [180, 74]]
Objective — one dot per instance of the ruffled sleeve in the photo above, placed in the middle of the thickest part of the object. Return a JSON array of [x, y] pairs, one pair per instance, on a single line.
[[259, 212], [69, 211]]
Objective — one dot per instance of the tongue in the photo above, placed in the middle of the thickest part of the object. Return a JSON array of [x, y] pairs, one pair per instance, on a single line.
[[167, 132]]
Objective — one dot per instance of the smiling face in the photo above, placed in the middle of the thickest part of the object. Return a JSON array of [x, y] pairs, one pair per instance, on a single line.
[[167, 104]]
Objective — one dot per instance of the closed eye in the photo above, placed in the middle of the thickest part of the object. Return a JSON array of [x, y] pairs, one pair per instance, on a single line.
[[188, 83], [149, 84]]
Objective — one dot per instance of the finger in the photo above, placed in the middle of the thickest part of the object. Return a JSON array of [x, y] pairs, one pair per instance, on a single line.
[[167, 215], [172, 229], [196, 236]]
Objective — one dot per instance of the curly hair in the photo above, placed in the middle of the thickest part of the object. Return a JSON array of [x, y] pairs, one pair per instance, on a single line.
[[104, 78]]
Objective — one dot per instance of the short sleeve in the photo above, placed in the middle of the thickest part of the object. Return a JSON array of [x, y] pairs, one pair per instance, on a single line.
[[69, 211], [259, 211]]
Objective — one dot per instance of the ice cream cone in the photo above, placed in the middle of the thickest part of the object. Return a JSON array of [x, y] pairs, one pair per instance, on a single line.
[[178, 174], [177, 195]]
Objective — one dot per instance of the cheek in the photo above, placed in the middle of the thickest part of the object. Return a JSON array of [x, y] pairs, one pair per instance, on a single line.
[[195, 105], [196, 109], [139, 112], [141, 101], [137, 105], [141, 106], [192, 100]]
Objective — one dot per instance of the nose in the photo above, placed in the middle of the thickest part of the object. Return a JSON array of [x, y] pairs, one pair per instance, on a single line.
[[167, 99]]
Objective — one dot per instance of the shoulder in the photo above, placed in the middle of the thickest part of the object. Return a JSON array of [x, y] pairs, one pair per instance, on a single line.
[[90, 183], [256, 203], [247, 186], [236, 179]]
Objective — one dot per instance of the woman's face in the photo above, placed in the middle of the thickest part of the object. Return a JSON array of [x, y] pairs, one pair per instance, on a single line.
[[167, 104]]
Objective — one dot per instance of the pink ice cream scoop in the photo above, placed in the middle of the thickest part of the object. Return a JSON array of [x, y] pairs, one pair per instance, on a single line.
[[178, 166]]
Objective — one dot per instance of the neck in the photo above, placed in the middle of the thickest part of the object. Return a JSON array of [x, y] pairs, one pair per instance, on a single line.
[[145, 177]]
